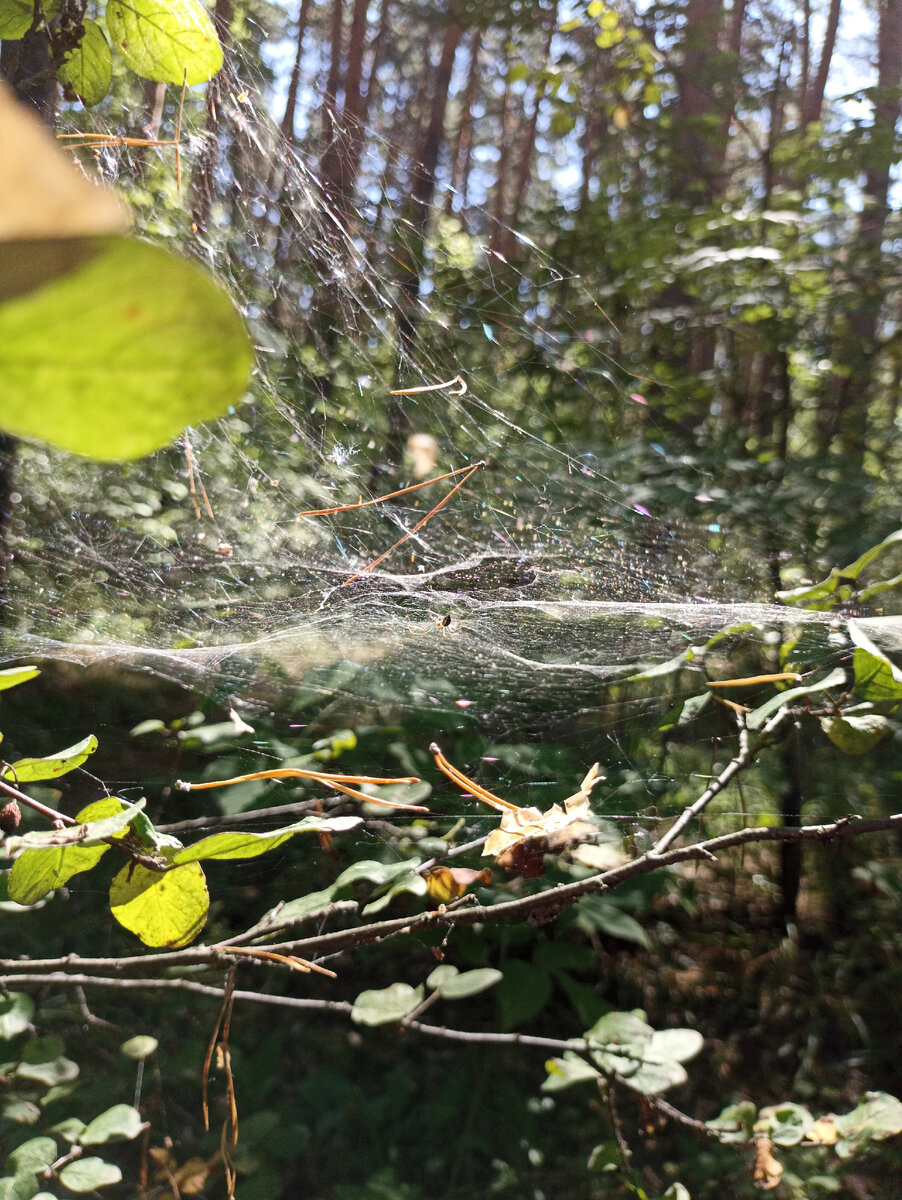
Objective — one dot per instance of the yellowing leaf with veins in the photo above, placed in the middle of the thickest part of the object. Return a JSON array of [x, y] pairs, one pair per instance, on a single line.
[[163, 908]]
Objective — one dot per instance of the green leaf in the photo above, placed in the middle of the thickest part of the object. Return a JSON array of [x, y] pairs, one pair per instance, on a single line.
[[456, 986], [882, 637], [736, 1123], [162, 908], [788, 1123], [409, 881], [144, 343], [303, 906], [670, 667], [120, 1123], [18, 1187], [598, 914], [42, 1049], [139, 1047], [21, 1112], [29, 770], [15, 19], [651, 1078], [565, 1072], [241, 844], [376, 872], [37, 872], [678, 1045], [875, 678], [522, 993], [877, 1117], [69, 1129], [85, 833], [52, 1072], [685, 711], [855, 735], [387, 1005], [755, 720], [34, 1155], [87, 70], [16, 1011], [841, 580], [12, 676], [86, 1174], [169, 41]]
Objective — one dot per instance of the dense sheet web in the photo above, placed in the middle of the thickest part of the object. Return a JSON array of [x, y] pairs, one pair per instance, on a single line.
[[542, 580]]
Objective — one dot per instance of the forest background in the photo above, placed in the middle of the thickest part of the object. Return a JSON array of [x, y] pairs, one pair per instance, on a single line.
[[664, 243]]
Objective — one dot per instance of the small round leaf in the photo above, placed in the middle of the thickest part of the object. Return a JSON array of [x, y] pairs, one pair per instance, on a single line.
[[16, 1011], [139, 1047], [387, 1005], [86, 1174], [120, 1123]]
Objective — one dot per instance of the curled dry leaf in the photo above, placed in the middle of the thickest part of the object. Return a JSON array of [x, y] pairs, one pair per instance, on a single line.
[[447, 883], [823, 1132], [525, 835], [766, 1171]]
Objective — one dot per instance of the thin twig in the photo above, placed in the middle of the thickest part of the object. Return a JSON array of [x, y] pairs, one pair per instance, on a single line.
[[51, 813], [339, 782], [69, 967], [457, 382], [325, 512], [192, 471], [747, 751], [419, 525]]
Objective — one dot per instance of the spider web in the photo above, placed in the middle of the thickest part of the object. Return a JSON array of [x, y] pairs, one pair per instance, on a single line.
[[514, 611]]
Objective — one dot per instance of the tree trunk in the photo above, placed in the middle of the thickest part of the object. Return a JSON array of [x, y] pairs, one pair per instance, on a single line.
[[342, 155], [291, 100], [461, 158], [422, 192], [869, 271], [527, 150], [813, 94], [330, 97], [701, 142], [202, 198]]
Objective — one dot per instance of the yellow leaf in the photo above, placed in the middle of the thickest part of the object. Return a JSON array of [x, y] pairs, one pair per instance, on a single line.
[[164, 908], [766, 1171], [447, 883], [823, 1132]]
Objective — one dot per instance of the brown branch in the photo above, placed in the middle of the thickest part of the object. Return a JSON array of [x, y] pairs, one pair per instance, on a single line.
[[51, 813], [19, 971], [747, 751]]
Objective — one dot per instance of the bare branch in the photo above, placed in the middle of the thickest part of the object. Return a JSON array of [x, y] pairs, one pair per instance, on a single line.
[[53, 815], [747, 751], [20, 971]]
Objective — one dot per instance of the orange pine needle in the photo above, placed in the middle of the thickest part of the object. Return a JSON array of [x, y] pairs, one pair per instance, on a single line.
[[293, 961], [325, 512], [468, 785], [779, 677], [339, 782], [419, 525]]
